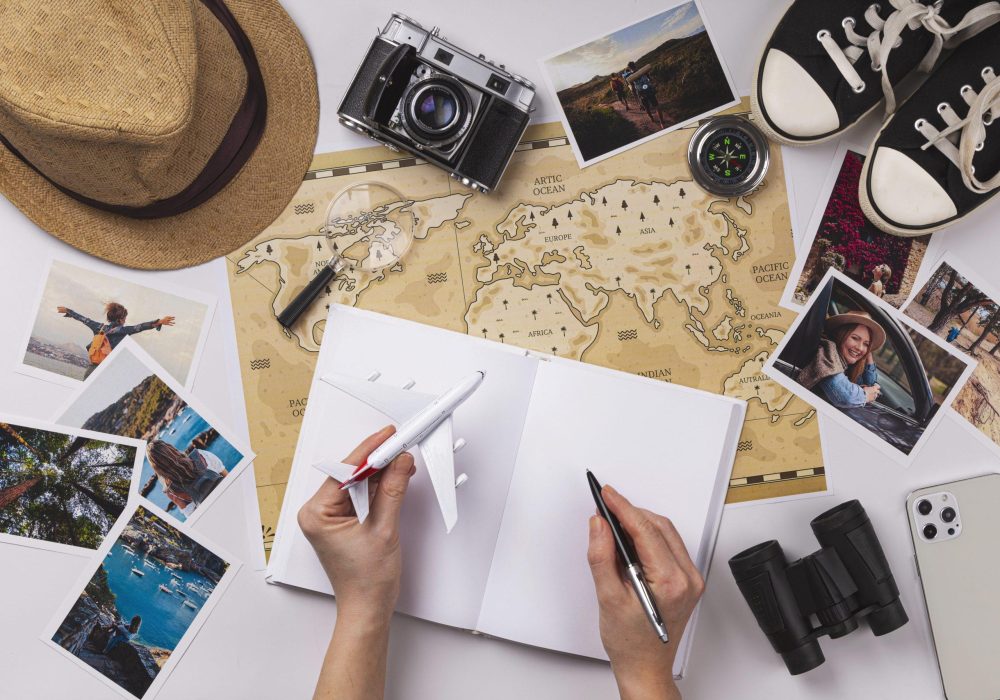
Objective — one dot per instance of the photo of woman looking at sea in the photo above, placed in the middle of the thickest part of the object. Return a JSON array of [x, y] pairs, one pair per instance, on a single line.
[[188, 458]]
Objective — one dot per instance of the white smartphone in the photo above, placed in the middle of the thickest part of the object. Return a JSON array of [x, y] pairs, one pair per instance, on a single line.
[[956, 537]]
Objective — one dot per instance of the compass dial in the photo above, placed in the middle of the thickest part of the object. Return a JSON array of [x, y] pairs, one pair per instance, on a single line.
[[728, 156]]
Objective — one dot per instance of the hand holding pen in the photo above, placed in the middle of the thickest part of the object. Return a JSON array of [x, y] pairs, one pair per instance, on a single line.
[[642, 664]]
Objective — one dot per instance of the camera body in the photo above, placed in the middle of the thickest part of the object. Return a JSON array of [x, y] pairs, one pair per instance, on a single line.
[[416, 92], [848, 579]]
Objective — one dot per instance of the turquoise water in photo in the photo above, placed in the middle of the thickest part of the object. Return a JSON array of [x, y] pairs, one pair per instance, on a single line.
[[165, 618], [186, 426]]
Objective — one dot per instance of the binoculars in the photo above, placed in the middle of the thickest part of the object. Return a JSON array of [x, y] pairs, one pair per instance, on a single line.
[[848, 579]]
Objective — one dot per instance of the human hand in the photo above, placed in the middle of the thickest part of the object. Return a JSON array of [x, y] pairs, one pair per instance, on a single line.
[[872, 392], [61, 309], [362, 560], [166, 321], [642, 664]]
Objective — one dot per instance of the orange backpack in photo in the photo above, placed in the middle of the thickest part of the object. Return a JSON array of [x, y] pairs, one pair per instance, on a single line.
[[100, 347]]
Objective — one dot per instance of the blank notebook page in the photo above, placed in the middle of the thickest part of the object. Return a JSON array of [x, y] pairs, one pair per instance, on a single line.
[[666, 448], [444, 575]]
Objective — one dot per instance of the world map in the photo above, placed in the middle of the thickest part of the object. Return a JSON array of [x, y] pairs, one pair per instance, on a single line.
[[625, 264]]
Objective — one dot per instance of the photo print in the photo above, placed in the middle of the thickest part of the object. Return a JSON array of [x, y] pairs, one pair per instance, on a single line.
[[839, 237], [189, 458], [958, 307], [863, 363], [83, 315], [638, 82], [131, 618], [63, 489]]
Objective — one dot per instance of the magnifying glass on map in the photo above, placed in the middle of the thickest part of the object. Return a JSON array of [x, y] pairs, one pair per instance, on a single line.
[[369, 227]]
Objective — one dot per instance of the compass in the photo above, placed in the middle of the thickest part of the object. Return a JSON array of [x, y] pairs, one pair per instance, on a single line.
[[728, 156]]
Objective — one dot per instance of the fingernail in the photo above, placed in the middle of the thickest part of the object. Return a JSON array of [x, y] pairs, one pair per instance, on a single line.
[[595, 524], [386, 429], [610, 489]]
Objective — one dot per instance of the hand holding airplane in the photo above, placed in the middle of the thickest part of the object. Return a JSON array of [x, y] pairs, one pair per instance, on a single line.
[[425, 423]]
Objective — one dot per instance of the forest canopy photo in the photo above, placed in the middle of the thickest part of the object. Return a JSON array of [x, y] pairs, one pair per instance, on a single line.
[[61, 488]]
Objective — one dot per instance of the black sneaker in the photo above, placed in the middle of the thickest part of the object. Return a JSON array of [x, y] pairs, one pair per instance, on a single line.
[[938, 159], [829, 63]]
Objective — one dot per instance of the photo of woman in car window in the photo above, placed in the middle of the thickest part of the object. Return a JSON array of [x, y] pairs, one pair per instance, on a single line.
[[844, 367], [853, 353]]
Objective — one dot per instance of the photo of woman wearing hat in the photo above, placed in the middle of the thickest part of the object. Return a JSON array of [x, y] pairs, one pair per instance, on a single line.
[[855, 354], [844, 367]]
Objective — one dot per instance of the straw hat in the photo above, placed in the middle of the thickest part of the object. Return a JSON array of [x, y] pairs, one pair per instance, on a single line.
[[858, 318], [153, 133]]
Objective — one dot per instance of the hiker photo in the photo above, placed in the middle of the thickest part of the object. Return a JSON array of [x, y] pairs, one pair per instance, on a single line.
[[83, 315], [61, 487], [137, 608], [839, 237], [188, 456], [956, 306], [854, 355], [638, 82]]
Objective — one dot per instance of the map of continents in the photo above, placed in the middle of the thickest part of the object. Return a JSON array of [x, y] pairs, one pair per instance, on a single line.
[[626, 264]]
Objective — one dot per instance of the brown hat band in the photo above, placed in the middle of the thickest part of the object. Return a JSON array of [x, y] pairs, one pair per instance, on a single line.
[[234, 151]]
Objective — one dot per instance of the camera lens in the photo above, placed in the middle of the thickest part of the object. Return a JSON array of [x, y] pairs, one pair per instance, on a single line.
[[437, 111], [948, 514], [436, 108], [930, 531], [924, 507]]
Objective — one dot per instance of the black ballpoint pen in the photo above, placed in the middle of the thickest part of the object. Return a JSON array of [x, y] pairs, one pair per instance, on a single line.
[[633, 568]]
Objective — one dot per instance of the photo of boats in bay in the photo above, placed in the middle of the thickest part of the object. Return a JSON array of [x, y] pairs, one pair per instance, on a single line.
[[146, 594], [189, 457]]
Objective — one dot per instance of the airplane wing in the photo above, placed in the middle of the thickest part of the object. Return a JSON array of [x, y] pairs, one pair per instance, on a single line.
[[342, 472], [439, 458], [398, 404]]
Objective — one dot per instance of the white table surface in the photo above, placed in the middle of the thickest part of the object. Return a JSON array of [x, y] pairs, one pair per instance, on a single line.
[[266, 642]]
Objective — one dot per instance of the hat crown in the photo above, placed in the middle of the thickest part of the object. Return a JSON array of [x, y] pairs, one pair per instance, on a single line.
[[121, 70]]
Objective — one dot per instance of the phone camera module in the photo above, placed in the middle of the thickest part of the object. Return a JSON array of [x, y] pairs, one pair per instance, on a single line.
[[924, 507], [948, 514], [930, 531]]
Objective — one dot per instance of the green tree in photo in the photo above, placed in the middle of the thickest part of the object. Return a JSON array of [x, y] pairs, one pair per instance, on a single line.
[[61, 488]]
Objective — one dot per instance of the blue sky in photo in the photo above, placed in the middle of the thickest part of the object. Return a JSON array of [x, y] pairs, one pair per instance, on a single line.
[[612, 52]]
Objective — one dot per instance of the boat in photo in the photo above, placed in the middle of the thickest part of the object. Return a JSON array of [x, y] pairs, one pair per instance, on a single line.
[[165, 589], [147, 562], [189, 604], [128, 549], [137, 572], [174, 576]]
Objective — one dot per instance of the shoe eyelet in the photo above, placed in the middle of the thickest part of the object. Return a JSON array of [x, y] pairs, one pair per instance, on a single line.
[[985, 72], [942, 107], [877, 67], [858, 89], [988, 119], [965, 89], [919, 124], [877, 6], [980, 146], [823, 34], [847, 22]]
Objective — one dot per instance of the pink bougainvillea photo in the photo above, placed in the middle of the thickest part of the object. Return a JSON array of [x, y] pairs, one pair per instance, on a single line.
[[845, 240]]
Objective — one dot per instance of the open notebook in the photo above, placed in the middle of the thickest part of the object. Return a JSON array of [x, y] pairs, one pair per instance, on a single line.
[[515, 566]]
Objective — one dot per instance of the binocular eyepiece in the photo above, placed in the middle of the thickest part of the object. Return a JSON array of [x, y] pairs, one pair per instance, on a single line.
[[847, 579]]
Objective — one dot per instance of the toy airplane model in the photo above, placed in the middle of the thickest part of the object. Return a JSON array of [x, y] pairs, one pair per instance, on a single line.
[[424, 422]]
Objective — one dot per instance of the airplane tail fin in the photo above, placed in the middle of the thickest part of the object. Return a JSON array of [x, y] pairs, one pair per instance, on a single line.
[[342, 472]]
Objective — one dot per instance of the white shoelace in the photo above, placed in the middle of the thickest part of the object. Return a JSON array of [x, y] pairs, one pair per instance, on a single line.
[[887, 35], [962, 138]]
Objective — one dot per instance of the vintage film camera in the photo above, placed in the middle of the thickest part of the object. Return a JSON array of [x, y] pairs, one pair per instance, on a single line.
[[416, 92], [846, 580]]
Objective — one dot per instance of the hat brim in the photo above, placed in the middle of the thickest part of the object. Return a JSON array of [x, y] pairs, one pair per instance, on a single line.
[[849, 319], [247, 205]]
